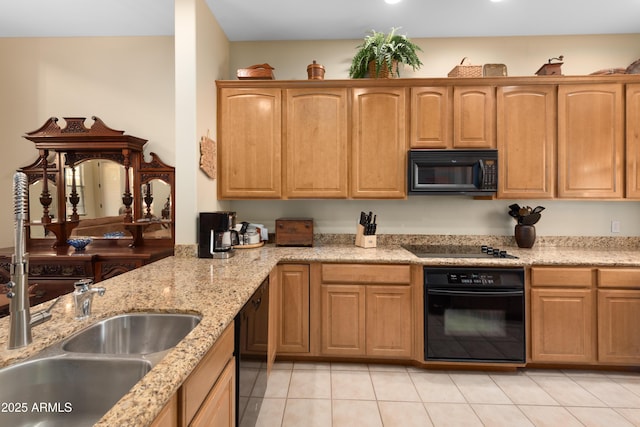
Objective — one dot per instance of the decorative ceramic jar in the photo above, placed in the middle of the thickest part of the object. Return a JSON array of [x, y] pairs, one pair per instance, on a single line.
[[525, 235]]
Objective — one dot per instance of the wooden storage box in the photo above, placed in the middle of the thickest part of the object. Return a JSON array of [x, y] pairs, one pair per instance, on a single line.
[[294, 232]]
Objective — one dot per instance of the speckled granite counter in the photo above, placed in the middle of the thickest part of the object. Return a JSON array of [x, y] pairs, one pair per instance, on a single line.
[[217, 289]]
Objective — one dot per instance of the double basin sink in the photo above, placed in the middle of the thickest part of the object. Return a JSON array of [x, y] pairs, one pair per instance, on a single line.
[[76, 382]]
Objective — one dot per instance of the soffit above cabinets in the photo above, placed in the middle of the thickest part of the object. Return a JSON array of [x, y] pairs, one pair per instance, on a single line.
[[250, 20]]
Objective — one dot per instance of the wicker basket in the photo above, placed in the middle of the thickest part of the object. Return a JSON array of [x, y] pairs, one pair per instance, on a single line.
[[463, 70], [383, 72]]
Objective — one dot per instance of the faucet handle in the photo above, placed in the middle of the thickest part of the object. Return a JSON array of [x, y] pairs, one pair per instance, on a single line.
[[83, 284]]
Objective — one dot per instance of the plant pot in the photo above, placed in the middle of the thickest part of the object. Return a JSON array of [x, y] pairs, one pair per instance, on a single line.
[[525, 235], [383, 72]]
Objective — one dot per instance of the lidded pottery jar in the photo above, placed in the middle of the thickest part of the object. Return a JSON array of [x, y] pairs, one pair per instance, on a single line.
[[315, 71]]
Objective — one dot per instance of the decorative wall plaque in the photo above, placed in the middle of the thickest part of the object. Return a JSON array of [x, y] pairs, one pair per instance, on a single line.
[[208, 156]]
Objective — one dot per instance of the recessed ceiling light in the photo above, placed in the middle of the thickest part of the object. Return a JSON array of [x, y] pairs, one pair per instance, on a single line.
[[392, 1]]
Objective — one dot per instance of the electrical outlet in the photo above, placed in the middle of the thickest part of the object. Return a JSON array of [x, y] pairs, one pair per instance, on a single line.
[[615, 226]]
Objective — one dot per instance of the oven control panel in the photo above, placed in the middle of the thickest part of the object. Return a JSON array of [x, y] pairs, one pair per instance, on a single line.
[[473, 277]]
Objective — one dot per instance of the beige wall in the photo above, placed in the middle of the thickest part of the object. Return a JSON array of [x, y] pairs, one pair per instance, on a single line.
[[126, 81], [522, 55], [449, 214]]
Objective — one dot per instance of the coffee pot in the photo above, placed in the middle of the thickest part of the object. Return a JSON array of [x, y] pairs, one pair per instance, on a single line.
[[217, 234]]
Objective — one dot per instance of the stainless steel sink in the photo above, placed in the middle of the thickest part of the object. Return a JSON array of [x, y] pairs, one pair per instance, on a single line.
[[133, 333], [65, 391]]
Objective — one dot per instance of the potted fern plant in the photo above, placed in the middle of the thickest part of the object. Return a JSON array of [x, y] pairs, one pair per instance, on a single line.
[[380, 53]]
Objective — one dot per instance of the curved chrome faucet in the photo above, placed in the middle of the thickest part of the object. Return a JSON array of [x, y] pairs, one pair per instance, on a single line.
[[83, 297]]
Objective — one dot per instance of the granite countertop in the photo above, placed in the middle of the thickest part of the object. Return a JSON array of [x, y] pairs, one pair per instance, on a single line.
[[217, 290]]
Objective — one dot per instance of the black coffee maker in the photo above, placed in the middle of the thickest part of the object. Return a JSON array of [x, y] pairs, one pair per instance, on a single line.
[[217, 234]]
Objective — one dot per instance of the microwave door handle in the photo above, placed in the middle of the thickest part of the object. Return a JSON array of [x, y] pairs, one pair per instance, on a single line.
[[481, 183]]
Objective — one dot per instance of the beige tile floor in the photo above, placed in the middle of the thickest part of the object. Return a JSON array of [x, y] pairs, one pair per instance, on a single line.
[[351, 395]]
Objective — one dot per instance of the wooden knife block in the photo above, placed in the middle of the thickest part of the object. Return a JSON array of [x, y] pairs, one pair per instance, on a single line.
[[364, 241]]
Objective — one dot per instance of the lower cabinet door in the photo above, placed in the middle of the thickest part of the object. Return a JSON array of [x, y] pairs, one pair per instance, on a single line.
[[168, 417], [343, 320], [618, 320], [388, 320], [218, 409], [562, 325], [293, 331]]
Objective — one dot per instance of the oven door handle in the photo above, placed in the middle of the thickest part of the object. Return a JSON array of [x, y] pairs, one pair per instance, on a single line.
[[516, 293]]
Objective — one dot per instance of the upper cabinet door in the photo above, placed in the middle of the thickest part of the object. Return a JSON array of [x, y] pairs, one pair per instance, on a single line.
[[249, 143], [633, 141], [474, 117], [316, 143], [379, 143], [526, 137], [431, 117], [590, 141]]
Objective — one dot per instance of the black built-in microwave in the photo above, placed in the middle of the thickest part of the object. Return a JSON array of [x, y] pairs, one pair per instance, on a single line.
[[472, 172]]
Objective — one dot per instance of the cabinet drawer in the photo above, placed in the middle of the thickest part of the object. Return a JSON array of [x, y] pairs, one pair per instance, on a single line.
[[366, 273], [566, 277], [619, 278], [196, 388]]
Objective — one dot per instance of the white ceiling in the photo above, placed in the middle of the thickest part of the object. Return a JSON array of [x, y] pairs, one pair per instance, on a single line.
[[244, 20]]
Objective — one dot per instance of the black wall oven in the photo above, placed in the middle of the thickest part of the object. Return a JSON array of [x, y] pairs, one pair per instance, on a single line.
[[474, 314]]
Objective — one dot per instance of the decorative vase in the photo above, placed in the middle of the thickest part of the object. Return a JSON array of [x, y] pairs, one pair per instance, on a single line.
[[525, 235]]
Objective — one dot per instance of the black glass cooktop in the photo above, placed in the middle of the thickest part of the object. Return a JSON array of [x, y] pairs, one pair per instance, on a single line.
[[457, 251]]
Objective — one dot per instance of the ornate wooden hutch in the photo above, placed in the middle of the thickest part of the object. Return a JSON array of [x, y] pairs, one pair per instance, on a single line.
[[92, 181]]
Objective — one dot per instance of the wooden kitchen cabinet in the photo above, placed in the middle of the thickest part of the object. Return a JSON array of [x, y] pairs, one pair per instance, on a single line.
[[591, 141], [316, 143], [431, 117], [168, 417], [249, 143], [526, 140], [366, 310], [388, 327], [343, 320], [619, 315], [633, 141], [562, 315], [218, 409], [379, 143], [207, 397], [293, 328], [474, 116]]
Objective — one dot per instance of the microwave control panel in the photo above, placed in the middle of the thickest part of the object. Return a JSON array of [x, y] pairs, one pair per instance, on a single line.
[[490, 175]]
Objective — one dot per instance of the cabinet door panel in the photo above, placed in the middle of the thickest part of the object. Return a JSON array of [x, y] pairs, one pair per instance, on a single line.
[[431, 117], [633, 141], [474, 117], [249, 143], [293, 334], [388, 321], [343, 320], [316, 143], [590, 141], [526, 141], [379, 143], [219, 408], [618, 320], [562, 325]]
